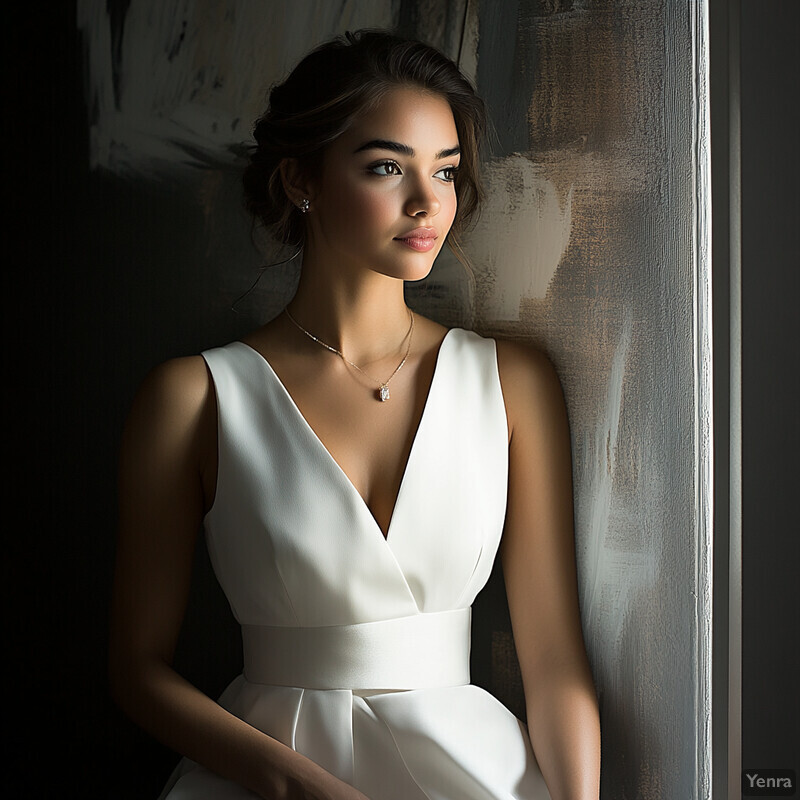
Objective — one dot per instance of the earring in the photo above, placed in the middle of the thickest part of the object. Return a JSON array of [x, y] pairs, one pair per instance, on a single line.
[[304, 205]]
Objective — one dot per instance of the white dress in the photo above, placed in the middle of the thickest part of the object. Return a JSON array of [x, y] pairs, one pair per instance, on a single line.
[[356, 646]]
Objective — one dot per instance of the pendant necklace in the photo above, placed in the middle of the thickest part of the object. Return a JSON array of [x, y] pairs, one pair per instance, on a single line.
[[383, 388]]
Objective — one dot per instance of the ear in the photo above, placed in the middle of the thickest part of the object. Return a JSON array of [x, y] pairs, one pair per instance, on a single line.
[[295, 181]]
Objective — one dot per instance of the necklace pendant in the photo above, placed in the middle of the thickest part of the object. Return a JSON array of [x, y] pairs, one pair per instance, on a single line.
[[383, 393]]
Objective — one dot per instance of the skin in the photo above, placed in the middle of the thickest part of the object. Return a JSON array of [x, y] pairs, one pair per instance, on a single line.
[[351, 296]]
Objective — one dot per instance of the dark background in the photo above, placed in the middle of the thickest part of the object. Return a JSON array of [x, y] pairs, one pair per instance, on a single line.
[[76, 346], [770, 80]]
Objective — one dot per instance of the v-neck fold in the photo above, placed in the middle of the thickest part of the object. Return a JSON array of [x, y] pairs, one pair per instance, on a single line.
[[337, 468]]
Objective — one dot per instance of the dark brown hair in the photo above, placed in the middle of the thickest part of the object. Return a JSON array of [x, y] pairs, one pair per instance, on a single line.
[[322, 96]]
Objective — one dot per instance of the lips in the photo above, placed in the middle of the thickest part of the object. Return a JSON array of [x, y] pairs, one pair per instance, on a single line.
[[419, 233], [421, 239]]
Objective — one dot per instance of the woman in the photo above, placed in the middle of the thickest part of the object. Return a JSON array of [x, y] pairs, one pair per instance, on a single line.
[[355, 466]]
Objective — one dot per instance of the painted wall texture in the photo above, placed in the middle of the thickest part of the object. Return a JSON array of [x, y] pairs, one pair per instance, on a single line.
[[593, 245]]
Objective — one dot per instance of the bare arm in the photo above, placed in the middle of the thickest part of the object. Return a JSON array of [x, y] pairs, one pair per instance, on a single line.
[[538, 557], [167, 475]]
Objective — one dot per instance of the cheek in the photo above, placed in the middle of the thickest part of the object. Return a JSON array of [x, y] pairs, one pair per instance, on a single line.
[[449, 208], [359, 207]]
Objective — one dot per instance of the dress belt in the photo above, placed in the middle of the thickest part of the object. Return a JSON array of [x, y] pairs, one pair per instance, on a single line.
[[417, 652]]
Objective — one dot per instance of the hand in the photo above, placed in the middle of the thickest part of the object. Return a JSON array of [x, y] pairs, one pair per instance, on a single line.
[[314, 783]]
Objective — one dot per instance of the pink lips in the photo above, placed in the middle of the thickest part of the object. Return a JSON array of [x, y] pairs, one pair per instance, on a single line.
[[420, 239]]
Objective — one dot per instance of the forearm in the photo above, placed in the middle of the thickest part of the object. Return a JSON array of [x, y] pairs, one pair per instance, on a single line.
[[564, 728], [167, 706]]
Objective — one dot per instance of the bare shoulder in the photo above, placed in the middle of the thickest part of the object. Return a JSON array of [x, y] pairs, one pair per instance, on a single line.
[[165, 485], [530, 383], [175, 389], [173, 415]]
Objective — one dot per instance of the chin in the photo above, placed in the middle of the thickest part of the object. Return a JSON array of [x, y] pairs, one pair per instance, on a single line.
[[419, 275], [418, 267], [412, 274]]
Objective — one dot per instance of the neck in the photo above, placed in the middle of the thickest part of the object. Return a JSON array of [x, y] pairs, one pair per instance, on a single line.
[[364, 314]]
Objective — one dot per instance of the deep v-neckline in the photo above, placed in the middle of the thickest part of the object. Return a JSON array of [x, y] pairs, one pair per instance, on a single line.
[[327, 453]]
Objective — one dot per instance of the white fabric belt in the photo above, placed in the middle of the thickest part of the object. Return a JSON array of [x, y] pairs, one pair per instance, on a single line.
[[417, 652]]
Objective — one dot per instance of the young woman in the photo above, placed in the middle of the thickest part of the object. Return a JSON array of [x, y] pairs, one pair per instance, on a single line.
[[357, 467]]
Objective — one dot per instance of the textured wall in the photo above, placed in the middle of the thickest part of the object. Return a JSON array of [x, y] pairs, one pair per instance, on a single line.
[[600, 259], [592, 245]]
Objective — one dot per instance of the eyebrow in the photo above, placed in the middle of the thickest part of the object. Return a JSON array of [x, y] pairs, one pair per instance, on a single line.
[[403, 149]]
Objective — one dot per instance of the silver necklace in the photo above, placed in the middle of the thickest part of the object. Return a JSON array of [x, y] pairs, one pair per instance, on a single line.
[[383, 388]]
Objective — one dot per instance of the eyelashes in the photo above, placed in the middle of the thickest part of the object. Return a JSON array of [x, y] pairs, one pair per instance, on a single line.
[[451, 173], [392, 168], [385, 168]]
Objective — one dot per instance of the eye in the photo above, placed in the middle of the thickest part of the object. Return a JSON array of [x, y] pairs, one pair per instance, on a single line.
[[385, 168], [447, 174]]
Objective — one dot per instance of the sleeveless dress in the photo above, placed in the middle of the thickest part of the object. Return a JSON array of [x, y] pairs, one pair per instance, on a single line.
[[356, 646]]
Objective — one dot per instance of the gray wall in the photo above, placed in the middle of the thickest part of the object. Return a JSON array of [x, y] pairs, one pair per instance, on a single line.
[[593, 245]]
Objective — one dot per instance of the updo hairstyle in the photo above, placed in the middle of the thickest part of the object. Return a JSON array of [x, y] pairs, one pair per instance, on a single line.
[[322, 96]]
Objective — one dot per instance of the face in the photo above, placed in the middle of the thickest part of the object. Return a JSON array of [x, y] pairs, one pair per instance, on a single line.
[[385, 198]]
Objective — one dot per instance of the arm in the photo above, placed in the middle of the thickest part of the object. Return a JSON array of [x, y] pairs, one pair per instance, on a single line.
[[167, 477], [538, 558]]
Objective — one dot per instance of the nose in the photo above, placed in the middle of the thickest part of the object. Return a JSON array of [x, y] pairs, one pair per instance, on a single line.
[[422, 200]]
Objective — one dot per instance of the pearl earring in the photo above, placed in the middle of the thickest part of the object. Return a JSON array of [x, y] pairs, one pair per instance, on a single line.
[[304, 205]]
